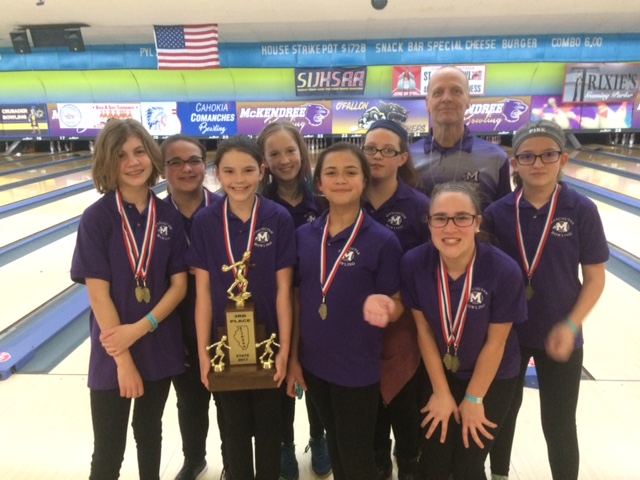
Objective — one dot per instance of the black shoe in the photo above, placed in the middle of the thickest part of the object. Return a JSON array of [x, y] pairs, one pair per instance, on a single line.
[[385, 473], [191, 470]]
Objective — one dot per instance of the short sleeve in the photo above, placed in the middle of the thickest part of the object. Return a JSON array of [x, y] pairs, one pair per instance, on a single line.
[[387, 275], [91, 255], [197, 253], [594, 248]]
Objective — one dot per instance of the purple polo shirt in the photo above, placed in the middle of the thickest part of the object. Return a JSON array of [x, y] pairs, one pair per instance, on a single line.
[[274, 248], [576, 237], [497, 296], [305, 212], [187, 308], [100, 253], [470, 160], [344, 349], [405, 214]]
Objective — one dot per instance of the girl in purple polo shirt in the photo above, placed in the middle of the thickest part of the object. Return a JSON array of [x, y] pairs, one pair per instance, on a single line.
[[222, 234], [343, 257], [129, 253], [393, 202], [465, 295], [552, 232], [287, 181]]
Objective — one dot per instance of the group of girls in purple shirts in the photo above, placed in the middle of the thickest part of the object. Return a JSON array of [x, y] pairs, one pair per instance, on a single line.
[[391, 310]]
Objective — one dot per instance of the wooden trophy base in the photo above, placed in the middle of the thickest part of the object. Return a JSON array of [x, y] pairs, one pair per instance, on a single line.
[[242, 377]]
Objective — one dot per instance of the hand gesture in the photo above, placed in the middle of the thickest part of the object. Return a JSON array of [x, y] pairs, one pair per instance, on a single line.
[[439, 409], [474, 422], [378, 309]]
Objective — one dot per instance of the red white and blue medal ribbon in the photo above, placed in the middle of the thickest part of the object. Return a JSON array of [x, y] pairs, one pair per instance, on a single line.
[[139, 259], [530, 269], [453, 328], [327, 280], [252, 232]]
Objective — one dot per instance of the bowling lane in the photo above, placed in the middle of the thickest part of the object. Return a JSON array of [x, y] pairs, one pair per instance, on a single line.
[[632, 165], [616, 149], [48, 170], [610, 181], [34, 279], [27, 223], [45, 186], [33, 160]]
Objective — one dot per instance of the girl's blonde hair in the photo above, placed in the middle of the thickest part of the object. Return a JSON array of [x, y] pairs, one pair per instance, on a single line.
[[106, 160]]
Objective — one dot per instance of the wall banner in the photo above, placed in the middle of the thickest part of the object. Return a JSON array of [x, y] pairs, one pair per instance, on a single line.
[[354, 117], [311, 118], [330, 82], [499, 115], [414, 80], [603, 82], [24, 121], [208, 119], [74, 120]]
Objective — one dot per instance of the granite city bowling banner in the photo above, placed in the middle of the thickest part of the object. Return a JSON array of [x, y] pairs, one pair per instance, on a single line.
[[601, 82], [311, 117], [499, 115], [330, 82], [72, 120], [208, 119], [414, 80], [582, 116], [24, 121], [354, 117]]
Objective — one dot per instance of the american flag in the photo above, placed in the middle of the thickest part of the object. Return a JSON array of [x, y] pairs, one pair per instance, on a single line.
[[189, 47]]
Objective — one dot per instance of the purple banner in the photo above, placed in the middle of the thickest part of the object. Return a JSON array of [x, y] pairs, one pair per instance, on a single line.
[[579, 116], [498, 115], [311, 118], [567, 115], [354, 117], [636, 113], [27, 122]]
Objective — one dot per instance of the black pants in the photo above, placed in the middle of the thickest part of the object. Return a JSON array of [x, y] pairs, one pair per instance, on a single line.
[[349, 416], [316, 429], [247, 414], [193, 408], [441, 461], [559, 385], [110, 416], [403, 414]]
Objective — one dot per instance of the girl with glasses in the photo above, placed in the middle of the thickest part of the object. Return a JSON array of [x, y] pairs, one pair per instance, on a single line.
[[465, 296], [553, 232], [392, 201]]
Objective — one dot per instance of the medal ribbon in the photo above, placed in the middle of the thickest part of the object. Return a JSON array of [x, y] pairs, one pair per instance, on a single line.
[[139, 260], [252, 231], [452, 330], [529, 270], [325, 281]]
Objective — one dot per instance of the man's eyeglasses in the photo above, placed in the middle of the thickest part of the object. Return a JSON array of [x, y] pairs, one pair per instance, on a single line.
[[530, 158], [385, 152], [178, 164], [460, 220]]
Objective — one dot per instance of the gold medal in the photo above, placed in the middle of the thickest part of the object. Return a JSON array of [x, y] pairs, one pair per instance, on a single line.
[[529, 292], [455, 363], [323, 311], [447, 359], [139, 294], [146, 295]]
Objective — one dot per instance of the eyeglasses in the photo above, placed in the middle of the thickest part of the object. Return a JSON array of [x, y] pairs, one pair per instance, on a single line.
[[530, 158], [460, 220], [385, 152], [178, 164]]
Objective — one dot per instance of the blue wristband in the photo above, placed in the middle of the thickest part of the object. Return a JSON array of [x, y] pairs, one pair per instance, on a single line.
[[572, 326], [472, 399], [152, 320]]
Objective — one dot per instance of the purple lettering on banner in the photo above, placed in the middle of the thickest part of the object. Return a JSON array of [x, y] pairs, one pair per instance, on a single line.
[[310, 117]]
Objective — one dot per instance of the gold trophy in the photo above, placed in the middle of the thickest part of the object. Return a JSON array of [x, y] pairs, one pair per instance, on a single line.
[[241, 337]]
